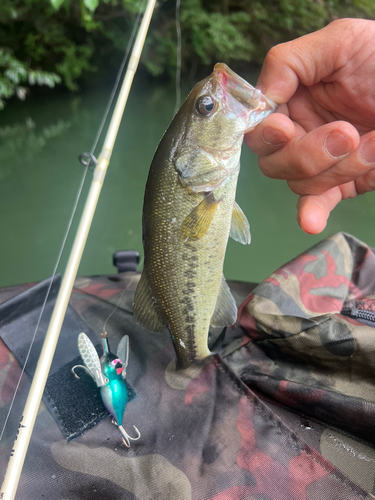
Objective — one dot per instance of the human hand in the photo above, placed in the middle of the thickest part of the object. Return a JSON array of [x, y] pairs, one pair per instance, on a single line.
[[322, 140]]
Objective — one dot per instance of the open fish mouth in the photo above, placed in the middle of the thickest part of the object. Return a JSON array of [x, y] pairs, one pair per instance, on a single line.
[[245, 100]]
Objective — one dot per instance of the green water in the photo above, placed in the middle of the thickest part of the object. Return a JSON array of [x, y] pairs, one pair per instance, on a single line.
[[40, 141]]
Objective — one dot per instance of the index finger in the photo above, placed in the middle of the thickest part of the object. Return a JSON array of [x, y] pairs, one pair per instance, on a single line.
[[311, 58]]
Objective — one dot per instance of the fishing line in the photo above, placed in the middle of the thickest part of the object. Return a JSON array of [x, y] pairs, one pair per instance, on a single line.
[[78, 196], [119, 75], [178, 65], [118, 303], [114, 310], [45, 299]]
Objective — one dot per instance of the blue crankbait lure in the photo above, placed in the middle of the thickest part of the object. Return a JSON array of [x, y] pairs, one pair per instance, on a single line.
[[109, 373]]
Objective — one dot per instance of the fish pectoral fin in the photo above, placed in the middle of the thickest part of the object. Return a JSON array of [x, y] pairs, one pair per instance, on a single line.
[[199, 171], [197, 223], [225, 312], [145, 311], [240, 227]]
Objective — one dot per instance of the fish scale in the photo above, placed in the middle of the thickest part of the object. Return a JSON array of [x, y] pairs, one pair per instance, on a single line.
[[187, 213]]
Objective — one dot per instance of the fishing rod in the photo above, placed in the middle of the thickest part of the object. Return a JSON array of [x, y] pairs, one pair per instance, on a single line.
[[10, 484]]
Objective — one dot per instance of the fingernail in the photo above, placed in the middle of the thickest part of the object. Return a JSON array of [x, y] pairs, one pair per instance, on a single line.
[[337, 144], [368, 151], [273, 137]]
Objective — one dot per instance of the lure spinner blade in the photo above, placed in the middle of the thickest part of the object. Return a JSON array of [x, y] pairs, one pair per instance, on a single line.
[[109, 373], [91, 359], [123, 353]]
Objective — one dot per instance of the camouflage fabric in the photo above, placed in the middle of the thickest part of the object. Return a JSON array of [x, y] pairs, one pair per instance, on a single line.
[[303, 351], [231, 428]]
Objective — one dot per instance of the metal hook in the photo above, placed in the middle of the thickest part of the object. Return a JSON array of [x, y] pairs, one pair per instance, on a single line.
[[80, 366], [125, 436]]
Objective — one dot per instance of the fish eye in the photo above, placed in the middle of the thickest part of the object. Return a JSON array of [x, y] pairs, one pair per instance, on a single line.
[[205, 105]]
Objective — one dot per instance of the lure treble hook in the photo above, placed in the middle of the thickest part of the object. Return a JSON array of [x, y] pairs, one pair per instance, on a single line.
[[125, 436]]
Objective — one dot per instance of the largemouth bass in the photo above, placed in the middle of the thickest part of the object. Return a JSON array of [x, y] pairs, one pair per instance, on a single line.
[[189, 212]]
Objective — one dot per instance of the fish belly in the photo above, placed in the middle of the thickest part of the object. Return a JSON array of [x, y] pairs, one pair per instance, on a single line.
[[185, 276]]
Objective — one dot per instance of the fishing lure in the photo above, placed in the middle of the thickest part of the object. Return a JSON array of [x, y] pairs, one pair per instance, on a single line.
[[109, 373]]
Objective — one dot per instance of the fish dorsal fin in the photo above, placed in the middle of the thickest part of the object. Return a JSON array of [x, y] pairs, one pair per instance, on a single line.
[[144, 308], [197, 223], [240, 227], [225, 312]]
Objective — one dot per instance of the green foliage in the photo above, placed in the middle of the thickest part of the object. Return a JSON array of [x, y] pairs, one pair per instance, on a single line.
[[217, 35], [239, 30], [75, 60], [14, 73], [91, 4], [56, 4], [45, 42]]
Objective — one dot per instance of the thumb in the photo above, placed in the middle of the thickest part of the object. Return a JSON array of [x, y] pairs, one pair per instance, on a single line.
[[314, 210]]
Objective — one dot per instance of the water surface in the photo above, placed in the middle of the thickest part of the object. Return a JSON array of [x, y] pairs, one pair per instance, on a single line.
[[40, 141]]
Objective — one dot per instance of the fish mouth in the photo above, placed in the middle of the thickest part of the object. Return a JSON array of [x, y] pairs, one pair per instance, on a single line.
[[251, 104]]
